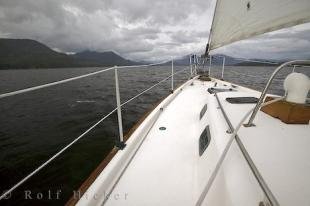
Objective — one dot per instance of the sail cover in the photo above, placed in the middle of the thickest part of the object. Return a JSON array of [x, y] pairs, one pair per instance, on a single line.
[[240, 19]]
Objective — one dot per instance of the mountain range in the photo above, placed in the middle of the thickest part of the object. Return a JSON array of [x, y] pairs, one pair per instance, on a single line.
[[27, 53], [217, 60]]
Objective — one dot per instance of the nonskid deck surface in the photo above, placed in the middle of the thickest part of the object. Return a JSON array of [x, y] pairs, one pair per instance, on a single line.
[[167, 168], [280, 151], [164, 170]]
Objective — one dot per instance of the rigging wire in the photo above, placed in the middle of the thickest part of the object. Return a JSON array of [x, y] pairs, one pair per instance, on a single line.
[[225, 151]]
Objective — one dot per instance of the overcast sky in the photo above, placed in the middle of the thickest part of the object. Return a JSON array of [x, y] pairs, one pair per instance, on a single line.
[[137, 29]]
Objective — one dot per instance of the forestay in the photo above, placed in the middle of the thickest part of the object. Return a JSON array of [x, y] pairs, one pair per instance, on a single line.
[[240, 19]]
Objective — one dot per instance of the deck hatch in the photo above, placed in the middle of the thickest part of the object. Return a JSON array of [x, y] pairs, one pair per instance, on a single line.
[[204, 140], [213, 90], [242, 100], [203, 111]]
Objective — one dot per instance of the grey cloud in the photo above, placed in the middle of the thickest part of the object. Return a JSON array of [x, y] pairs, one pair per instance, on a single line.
[[124, 26], [138, 29], [160, 11], [184, 36], [290, 43]]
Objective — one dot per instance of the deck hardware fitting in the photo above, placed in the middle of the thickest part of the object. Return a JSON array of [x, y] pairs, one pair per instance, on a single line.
[[204, 140], [120, 145], [267, 192], [264, 92], [249, 125]]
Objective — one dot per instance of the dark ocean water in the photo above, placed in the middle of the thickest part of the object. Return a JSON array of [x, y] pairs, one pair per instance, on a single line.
[[35, 125]]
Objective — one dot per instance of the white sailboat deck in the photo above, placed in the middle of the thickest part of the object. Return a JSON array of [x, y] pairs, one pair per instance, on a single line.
[[280, 151], [164, 170], [167, 168]]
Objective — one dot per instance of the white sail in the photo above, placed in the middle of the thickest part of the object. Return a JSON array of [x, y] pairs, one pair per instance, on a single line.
[[240, 19]]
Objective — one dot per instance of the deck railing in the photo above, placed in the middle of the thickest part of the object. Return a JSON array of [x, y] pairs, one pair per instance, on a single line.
[[120, 143], [193, 67], [264, 92], [263, 185]]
